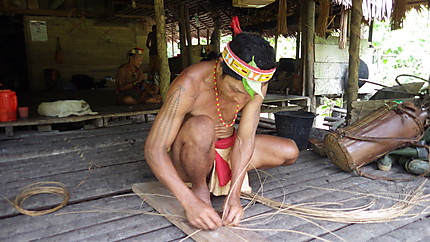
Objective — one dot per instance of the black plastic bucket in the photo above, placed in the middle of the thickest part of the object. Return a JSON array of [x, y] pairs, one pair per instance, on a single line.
[[295, 125]]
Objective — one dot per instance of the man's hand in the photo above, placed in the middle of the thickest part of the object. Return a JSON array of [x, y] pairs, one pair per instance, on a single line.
[[141, 77], [233, 211], [202, 216], [222, 131]]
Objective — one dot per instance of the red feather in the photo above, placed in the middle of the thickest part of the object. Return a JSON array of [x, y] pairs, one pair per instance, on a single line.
[[235, 25]]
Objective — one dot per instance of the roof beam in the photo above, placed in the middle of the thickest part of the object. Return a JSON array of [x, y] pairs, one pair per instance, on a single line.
[[56, 4], [213, 13], [42, 12], [129, 16], [140, 5]]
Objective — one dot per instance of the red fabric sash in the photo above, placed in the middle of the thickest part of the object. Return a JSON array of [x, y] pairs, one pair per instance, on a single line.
[[221, 166]]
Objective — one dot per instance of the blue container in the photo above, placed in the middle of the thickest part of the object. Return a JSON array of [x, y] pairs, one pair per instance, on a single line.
[[295, 125]]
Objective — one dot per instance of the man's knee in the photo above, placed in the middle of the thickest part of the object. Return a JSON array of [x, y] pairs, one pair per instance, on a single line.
[[201, 129], [290, 152]]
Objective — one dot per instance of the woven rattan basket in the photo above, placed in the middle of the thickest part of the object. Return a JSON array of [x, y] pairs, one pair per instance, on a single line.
[[371, 137]]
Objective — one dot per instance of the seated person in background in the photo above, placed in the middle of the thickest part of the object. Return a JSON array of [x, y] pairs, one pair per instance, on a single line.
[[131, 86]]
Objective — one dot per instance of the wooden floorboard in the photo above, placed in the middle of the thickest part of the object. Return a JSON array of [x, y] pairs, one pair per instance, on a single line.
[[82, 185], [171, 206], [419, 230], [47, 147], [110, 224], [107, 161], [169, 233], [26, 138]]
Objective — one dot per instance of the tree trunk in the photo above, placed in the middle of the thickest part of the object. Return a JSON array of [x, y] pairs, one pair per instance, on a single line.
[[354, 56], [160, 20]]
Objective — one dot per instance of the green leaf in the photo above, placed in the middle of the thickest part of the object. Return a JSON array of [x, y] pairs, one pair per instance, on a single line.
[[248, 88]]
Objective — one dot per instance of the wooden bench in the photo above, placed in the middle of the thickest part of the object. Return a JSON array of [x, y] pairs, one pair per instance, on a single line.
[[45, 123], [280, 102], [272, 103]]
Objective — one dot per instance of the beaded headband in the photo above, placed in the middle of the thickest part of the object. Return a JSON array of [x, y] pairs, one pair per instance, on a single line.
[[245, 70], [252, 76], [136, 51]]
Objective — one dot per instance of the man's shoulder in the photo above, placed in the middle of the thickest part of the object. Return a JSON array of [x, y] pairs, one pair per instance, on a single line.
[[192, 78], [196, 73]]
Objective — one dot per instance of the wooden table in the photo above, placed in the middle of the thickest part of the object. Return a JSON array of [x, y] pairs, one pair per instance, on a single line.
[[281, 102]]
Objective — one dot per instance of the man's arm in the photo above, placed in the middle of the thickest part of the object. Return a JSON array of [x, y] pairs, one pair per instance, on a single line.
[[151, 88], [124, 80], [148, 40], [241, 155], [179, 100]]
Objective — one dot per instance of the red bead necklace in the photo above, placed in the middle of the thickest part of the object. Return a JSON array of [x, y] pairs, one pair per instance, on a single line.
[[217, 103]]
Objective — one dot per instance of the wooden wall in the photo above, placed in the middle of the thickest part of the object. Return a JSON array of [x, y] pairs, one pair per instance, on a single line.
[[88, 48], [331, 64]]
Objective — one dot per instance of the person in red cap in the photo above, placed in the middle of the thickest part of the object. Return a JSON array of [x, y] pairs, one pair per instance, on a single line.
[[194, 139], [131, 85]]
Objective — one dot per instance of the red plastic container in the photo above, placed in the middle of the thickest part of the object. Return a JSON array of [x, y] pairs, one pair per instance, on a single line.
[[8, 105]]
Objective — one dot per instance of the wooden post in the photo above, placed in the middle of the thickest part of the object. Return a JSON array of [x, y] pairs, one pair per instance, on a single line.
[[198, 35], [160, 20], [182, 36], [188, 30], [173, 42], [216, 40], [354, 56], [310, 52], [370, 38], [207, 37], [276, 45], [303, 56], [298, 48]]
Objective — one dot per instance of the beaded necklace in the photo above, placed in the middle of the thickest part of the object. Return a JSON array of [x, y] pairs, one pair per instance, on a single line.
[[217, 103]]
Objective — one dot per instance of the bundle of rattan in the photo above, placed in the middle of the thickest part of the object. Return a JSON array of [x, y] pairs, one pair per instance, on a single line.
[[36, 188], [361, 214]]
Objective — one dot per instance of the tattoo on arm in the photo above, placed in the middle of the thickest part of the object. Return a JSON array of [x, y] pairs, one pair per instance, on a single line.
[[166, 120]]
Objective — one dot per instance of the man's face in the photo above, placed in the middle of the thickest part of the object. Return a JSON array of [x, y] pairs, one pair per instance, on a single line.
[[136, 60], [235, 90], [232, 87]]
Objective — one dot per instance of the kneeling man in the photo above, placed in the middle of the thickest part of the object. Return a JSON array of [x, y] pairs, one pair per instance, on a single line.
[[193, 138]]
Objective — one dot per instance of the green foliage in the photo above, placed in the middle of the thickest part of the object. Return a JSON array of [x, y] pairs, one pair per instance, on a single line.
[[403, 51], [328, 104]]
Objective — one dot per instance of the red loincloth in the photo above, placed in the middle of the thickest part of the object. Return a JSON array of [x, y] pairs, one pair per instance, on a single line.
[[221, 166]]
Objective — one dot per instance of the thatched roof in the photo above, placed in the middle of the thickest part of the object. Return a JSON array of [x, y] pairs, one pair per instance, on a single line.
[[262, 20], [393, 10], [204, 13]]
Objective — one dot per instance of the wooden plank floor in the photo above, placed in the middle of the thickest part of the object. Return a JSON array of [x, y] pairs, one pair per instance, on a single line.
[[99, 167]]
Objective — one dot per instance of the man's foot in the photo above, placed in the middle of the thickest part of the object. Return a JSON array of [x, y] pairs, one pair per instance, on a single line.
[[153, 100], [203, 194]]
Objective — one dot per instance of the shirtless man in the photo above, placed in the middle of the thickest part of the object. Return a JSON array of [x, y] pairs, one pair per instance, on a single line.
[[130, 80], [194, 128], [151, 44]]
